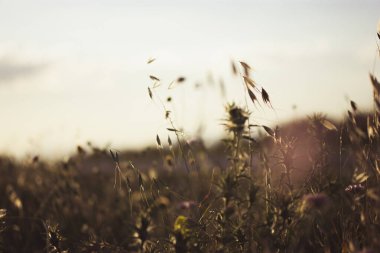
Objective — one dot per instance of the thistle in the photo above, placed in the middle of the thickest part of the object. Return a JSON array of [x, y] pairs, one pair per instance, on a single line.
[[237, 117]]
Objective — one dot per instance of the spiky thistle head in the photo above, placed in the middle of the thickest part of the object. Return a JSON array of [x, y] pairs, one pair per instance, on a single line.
[[236, 118]]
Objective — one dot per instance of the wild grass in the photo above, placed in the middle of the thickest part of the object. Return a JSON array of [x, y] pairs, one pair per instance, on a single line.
[[310, 187]]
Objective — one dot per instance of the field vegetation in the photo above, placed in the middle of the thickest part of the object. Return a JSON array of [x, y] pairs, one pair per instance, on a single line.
[[309, 186]]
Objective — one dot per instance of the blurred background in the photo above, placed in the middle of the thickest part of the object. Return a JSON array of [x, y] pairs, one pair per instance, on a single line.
[[76, 71]]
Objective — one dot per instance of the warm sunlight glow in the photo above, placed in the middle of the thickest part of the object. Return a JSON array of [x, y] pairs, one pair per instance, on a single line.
[[76, 71]]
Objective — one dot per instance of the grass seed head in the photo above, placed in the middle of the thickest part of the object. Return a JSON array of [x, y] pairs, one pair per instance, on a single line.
[[246, 68], [265, 96], [252, 96], [181, 79], [233, 67], [150, 93], [353, 106]]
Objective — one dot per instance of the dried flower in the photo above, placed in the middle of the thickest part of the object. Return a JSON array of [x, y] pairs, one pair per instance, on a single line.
[[236, 118]]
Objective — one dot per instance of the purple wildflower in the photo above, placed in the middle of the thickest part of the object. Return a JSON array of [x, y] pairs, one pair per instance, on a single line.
[[187, 204], [354, 188]]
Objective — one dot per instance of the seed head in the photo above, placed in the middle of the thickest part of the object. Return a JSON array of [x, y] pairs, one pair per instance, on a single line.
[[236, 118]]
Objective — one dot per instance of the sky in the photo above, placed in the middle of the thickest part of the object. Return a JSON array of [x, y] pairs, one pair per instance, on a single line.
[[76, 71]]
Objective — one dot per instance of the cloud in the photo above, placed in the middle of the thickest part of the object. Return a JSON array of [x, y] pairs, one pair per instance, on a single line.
[[12, 70]]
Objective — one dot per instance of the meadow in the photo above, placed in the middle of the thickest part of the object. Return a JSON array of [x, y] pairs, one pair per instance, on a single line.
[[309, 186]]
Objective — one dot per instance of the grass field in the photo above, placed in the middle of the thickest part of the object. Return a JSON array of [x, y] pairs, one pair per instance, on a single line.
[[309, 186]]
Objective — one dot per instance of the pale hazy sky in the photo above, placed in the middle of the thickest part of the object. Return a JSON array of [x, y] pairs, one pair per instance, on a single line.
[[75, 70]]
